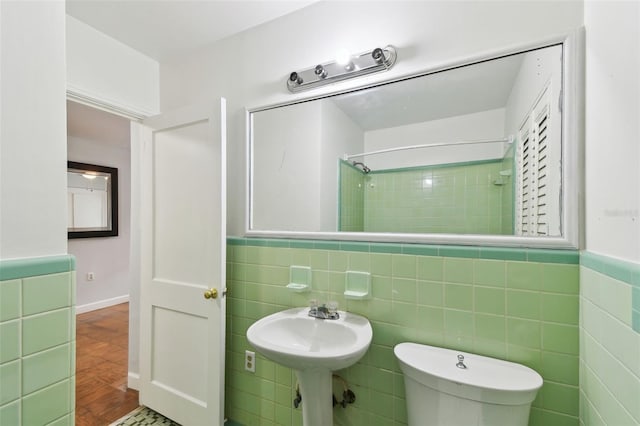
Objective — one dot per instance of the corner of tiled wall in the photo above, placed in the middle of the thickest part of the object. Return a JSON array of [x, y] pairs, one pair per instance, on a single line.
[[37, 341], [609, 341]]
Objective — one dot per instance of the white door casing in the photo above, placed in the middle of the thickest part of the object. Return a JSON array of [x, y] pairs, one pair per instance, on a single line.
[[183, 250]]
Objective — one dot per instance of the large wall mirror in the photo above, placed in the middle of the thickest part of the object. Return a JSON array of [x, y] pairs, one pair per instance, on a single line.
[[92, 196], [484, 152]]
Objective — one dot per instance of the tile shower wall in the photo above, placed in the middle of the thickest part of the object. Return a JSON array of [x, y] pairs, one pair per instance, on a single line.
[[520, 305], [37, 341], [609, 341], [457, 198], [351, 198], [507, 181]]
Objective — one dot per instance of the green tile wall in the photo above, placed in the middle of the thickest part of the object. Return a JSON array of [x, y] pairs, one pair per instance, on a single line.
[[609, 341], [352, 182], [494, 302], [37, 367], [456, 198], [508, 191]]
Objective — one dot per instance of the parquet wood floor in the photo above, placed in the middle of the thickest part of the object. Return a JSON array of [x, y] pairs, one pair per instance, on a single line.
[[102, 339]]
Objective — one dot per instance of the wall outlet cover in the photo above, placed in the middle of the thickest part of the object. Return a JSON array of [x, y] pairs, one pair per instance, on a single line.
[[250, 361]]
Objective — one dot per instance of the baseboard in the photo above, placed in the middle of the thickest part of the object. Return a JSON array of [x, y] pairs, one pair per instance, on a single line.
[[133, 381], [81, 309]]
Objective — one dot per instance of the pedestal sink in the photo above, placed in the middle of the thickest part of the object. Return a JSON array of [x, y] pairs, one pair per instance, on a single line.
[[313, 348]]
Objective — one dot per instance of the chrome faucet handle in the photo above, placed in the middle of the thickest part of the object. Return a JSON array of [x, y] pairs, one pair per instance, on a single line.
[[322, 312], [460, 363]]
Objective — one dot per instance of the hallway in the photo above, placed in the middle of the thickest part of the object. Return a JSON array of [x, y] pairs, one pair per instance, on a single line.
[[101, 366]]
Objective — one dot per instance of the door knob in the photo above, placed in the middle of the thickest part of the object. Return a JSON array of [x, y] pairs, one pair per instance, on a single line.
[[212, 293]]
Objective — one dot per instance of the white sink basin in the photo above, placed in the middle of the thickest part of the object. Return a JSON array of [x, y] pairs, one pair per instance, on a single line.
[[298, 341]]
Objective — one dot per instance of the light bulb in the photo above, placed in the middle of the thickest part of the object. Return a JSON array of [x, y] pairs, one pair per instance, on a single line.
[[343, 57]]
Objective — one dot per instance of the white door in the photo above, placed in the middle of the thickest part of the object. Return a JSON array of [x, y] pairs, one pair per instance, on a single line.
[[183, 248]]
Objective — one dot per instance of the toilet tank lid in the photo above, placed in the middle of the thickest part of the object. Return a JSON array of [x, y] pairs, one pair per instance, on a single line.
[[481, 371]]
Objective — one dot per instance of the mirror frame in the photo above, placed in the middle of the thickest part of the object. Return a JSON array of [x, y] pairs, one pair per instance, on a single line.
[[572, 135], [113, 198]]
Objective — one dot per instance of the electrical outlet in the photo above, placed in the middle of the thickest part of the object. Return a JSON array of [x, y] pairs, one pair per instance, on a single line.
[[250, 361], [91, 276]]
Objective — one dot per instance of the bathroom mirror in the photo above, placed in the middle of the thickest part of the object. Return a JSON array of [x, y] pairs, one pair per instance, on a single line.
[[477, 152], [92, 198]]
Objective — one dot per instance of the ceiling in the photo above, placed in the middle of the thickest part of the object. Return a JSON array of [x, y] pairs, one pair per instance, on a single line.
[[85, 122], [465, 90], [162, 29]]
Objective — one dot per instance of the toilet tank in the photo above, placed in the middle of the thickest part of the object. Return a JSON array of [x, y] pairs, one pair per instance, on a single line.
[[445, 387]]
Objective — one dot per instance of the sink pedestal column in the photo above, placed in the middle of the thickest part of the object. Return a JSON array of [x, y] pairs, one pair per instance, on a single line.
[[316, 390]]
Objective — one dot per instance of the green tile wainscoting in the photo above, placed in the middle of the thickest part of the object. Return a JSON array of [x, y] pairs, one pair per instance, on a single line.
[[37, 341], [609, 341], [515, 304]]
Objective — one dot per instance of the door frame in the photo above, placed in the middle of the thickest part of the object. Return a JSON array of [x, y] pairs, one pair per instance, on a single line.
[[192, 114], [97, 102]]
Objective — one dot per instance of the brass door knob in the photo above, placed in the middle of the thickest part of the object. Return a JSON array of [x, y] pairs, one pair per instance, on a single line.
[[212, 293]]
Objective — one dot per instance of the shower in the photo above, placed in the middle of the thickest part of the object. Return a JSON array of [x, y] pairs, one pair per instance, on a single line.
[[365, 169]]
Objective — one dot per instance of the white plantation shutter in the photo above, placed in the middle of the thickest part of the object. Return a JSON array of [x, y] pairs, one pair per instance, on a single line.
[[538, 165], [539, 197], [523, 192]]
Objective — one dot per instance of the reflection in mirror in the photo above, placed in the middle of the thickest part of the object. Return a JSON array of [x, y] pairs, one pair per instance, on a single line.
[[471, 150], [92, 196]]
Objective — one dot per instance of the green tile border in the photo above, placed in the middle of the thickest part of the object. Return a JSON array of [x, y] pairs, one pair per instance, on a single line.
[[554, 256], [301, 244], [326, 245], [570, 257], [618, 269], [621, 270], [456, 251], [417, 249], [235, 241], [21, 268], [499, 253]]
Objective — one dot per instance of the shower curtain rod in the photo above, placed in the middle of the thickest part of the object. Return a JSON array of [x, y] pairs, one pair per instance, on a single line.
[[429, 145]]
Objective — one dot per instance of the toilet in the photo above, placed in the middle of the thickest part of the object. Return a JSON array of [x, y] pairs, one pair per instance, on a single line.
[[445, 387]]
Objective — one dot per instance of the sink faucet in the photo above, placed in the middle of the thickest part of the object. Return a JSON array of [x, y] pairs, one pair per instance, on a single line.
[[328, 311]]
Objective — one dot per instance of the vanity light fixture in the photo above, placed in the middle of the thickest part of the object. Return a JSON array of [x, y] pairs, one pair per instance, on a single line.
[[376, 60]]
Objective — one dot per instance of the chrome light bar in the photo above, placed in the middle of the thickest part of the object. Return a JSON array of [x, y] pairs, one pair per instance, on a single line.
[[376, 60]]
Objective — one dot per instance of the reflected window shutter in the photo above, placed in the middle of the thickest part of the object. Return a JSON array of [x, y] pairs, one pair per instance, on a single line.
[[541, 172], [532, 191], [523, 190]]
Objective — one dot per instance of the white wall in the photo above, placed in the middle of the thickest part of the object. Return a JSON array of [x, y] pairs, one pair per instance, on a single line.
[[339, 135], [250, 68], [288, 146], [468, 127], [538, 68], [100, 67], [613, 129], [33, 155], [107, 257], [296, 153], [609, 354]]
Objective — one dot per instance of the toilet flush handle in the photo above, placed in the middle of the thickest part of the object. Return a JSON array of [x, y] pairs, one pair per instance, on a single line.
[[460, 363]]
